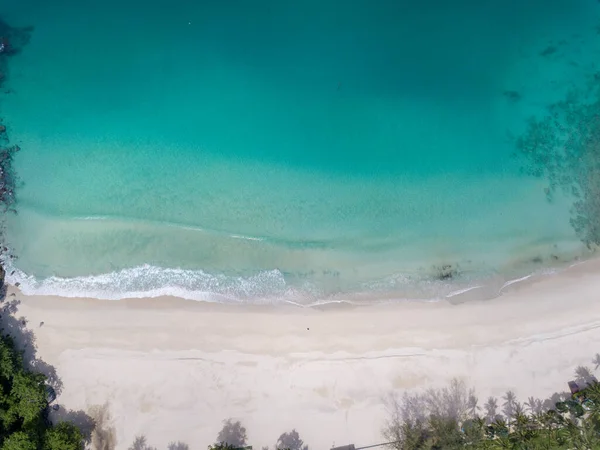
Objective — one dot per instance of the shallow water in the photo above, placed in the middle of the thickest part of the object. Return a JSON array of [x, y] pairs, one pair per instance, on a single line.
[[302, 150]]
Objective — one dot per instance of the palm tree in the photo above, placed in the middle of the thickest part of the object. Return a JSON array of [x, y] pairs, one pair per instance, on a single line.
[[554, 432], [596, 361], [499, 428], [591, 404], [474, 432]]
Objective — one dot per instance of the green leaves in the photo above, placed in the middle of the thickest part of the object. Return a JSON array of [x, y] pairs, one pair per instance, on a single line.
[[28, 395], [10, 359], [222, 446], [574, 424], [20, 441], [64, 436], [23, 407]]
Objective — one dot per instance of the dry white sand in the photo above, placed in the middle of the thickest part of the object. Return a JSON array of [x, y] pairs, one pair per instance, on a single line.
[[173, 370]]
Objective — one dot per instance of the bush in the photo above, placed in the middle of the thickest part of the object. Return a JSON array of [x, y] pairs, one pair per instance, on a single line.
[[24, 420]]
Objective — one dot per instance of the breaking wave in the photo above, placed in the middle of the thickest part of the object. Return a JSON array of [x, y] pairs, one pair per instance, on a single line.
[[151, 281], [267, 287]]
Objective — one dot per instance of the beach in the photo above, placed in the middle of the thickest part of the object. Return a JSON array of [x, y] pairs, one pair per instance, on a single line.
[[287, 213], [172, 370]]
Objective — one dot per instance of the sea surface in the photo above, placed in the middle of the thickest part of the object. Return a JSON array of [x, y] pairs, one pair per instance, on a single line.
[[279, 151]]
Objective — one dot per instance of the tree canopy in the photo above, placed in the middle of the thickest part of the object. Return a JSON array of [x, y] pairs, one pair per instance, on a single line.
[[24, 423]]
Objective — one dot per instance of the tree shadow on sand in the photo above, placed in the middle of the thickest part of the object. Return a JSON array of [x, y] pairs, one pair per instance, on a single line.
[[13, 325], [96, 424], [233, 433], [16, 327], [290, 440], [140, 443]]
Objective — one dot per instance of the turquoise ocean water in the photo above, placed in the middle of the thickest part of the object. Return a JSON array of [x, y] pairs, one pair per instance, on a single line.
[[286, 151]]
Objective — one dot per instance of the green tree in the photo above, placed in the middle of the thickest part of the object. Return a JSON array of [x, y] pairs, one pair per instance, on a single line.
[[64, 436], [28, 395], [20, 441], [24, 408], [445, 433], [222, 446], [436, 420]]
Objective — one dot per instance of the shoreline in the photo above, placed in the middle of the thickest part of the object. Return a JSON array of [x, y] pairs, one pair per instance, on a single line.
[[173, 369], [453, 288]]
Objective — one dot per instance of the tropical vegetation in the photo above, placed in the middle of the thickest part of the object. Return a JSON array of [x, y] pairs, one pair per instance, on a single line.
[[24, 423], [450, 419]]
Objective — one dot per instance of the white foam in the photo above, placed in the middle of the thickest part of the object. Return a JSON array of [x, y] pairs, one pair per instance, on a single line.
[[517, 280], [151, 281], [248, 238], [265, 287], [462, 291]]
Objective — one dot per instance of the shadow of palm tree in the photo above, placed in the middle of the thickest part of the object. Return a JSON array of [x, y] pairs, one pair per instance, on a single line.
[[534, 405], [550, 402], [584, 376], [510, 404], [141, 443], [491, 409]]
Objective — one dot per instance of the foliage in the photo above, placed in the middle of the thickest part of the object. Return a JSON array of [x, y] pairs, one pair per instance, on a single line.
[[571, 423], [64, 436], [222, 446], [24, 420], [20, 440]]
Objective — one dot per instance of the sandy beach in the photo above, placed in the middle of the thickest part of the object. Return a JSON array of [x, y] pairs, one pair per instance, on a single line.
[[172, 370]]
